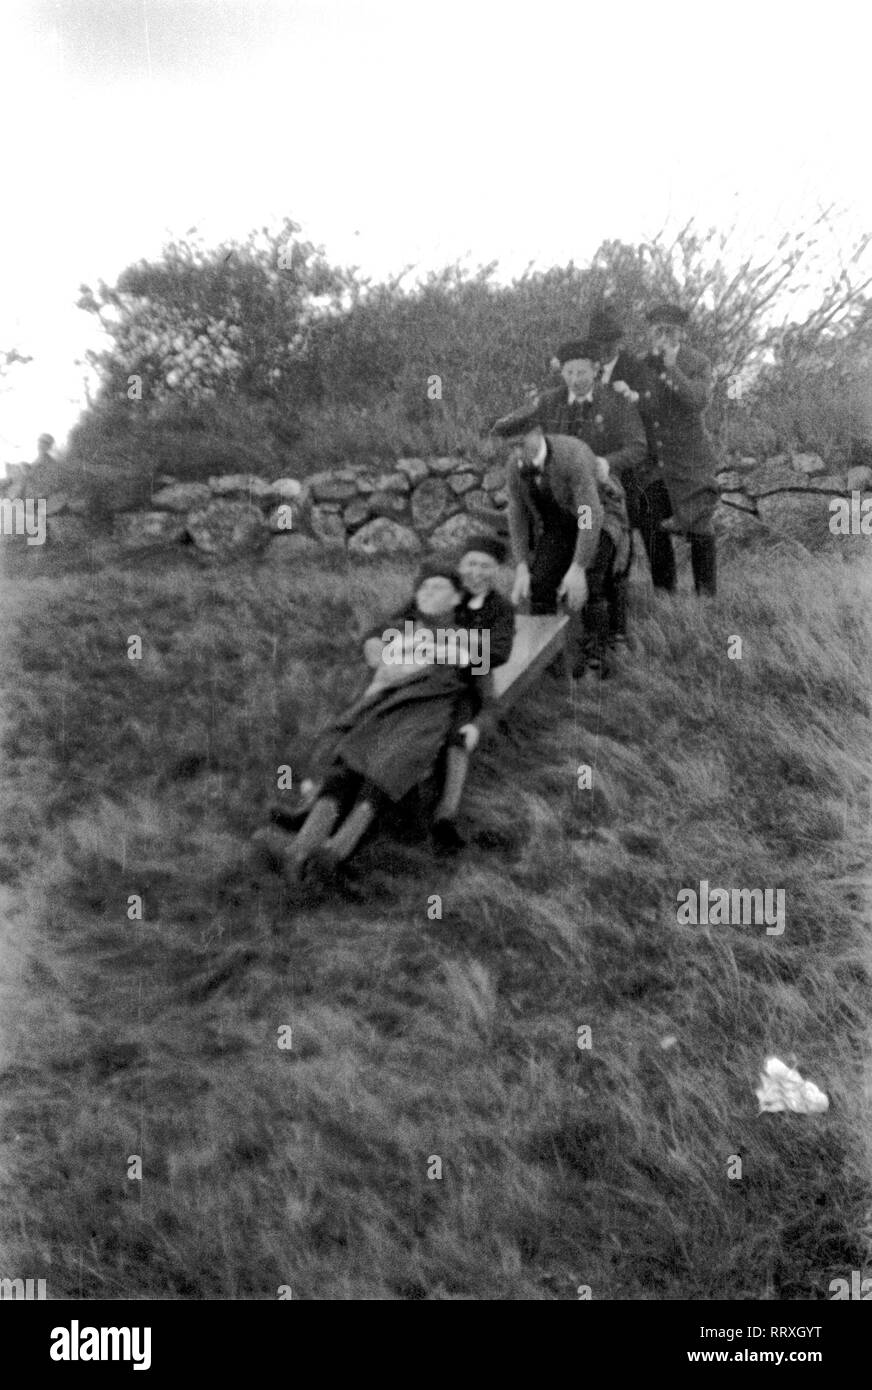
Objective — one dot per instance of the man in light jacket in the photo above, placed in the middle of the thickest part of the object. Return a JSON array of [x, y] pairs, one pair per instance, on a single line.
[[561, 543]]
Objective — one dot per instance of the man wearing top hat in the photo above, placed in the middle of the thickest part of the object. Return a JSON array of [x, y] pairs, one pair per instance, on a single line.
[[680, 391], [648, 502]]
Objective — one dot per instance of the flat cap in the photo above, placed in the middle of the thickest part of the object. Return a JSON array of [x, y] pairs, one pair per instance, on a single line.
[[519, 422], [484, 545]]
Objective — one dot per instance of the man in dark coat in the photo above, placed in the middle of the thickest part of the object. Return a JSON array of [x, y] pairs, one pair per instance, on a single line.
[[680, 392], [648, 502]]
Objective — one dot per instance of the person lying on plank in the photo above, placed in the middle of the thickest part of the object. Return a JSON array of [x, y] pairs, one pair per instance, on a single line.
[[483, 610], [486, 610], [391, 738]]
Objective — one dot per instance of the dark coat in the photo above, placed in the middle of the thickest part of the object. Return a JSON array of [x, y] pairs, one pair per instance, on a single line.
[[394, 738], [631, 370], [571, 470], [674, 404], [611, 427], [496, 617], [641, 379]]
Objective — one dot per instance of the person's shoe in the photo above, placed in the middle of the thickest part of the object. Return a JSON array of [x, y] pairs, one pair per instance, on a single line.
[[287, 819], [446, 836], [593, 669], [323, 867]]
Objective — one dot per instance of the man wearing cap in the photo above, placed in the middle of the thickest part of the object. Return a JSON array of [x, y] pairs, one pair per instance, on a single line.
[[680, 392], [610, 426], [648, 503], [560, 542]]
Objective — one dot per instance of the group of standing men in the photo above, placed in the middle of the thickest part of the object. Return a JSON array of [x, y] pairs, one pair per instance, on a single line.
[[621, 446]]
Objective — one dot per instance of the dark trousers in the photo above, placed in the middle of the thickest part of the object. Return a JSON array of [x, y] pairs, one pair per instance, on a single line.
[[346, 787], [588, 633], [646, 508], [619, 598], [703, 562]]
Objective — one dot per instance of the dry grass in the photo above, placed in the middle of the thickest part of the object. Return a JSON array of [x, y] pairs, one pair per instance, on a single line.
[[415, 1037]]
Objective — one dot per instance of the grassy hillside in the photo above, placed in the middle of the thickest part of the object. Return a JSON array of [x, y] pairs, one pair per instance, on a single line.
[[413, 1037]]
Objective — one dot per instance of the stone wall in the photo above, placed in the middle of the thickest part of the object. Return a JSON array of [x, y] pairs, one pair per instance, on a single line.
[[409, 506], [403, 508], [788, 493]]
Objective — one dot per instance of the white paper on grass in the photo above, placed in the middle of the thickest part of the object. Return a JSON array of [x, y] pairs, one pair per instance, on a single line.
[[782, 1088]]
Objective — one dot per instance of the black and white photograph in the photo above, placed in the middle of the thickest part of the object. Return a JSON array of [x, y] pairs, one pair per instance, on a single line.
[[436, 680]]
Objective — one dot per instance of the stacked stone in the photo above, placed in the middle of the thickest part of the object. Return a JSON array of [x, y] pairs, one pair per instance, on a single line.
[[788, 493], [420, 501], [415, 504], [432, 503]]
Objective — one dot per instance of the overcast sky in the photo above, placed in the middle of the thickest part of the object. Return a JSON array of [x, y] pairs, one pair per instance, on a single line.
[[399, 132]]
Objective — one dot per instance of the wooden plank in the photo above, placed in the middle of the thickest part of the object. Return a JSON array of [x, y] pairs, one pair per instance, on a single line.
[[538, 640]]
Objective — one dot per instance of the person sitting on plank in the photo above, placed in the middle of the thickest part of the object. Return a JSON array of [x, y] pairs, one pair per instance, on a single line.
[[486, 610]]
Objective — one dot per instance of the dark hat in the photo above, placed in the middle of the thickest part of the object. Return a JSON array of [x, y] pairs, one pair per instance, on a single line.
[[578, 347], [605, 326], [430, 569], [487, 545], [521, 422], [668, 313]]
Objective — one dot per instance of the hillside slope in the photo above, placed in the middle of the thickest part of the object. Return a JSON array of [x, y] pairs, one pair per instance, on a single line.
[[414, 1038]]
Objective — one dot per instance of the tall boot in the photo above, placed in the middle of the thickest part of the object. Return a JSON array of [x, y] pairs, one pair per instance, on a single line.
[[318, 824], [617, 601], [594, 651], [445, 832], [661, 558], [575, 643], [456, 769], [703, 563], [349, 835]]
